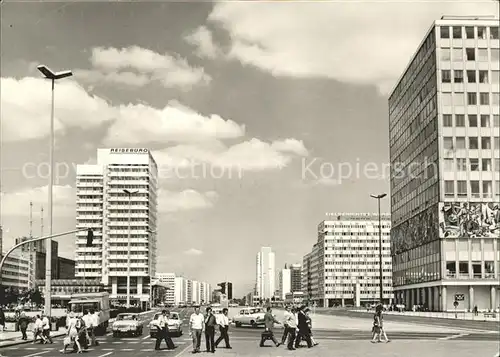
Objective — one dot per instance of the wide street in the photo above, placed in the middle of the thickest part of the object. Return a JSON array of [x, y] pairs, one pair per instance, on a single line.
[[339, 340]]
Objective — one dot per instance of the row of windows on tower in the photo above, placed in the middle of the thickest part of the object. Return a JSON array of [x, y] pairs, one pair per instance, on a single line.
[[469, 98], [460, 164], [473, 143], [472, 76], [468, 32], [472, 120], [457, 54]]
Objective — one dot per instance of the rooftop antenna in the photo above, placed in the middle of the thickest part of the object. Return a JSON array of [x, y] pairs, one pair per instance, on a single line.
[[31, 219], [41, 223]]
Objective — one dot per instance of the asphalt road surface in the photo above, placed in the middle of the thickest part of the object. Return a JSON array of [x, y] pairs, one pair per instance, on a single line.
[[245, 342]]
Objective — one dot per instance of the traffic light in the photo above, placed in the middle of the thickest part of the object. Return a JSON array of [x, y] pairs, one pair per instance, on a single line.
[[90, 237]]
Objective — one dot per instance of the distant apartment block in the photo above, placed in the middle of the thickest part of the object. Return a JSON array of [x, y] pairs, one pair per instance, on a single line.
[[343, 265]]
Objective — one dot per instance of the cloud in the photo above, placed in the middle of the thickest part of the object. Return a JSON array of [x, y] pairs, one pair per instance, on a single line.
[[18, 203], [202, 40], [193, 251], [115, 65], [292, 146], [368, 44], [25, 103], [250, 155], [170, 202], [175, 122]]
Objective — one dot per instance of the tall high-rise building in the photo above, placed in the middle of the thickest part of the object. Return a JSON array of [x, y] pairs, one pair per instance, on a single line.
[[295, 277], [343, 266], [284, 281], [444, 125], [227, 289], [168, 279], [266, 279], [180, 291], [117, 198]]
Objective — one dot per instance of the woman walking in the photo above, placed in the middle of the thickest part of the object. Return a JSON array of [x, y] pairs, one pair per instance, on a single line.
[[72, 335], [378, 326]]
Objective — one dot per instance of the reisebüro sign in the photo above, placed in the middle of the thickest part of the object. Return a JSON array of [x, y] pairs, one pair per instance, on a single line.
[[128, 151]]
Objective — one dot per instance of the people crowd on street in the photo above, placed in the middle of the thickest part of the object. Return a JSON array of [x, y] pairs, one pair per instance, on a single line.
[[297, 323]]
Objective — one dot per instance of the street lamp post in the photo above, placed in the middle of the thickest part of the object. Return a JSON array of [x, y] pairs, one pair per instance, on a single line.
[[381, 282], [150, 272], [129, 193], [53, 76]]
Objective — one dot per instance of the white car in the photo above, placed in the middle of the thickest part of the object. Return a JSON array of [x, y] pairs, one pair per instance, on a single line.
[[127, 324], [253, 316], [174, 324]]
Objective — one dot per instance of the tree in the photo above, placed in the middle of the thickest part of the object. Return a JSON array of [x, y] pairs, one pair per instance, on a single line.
[[36, 297]]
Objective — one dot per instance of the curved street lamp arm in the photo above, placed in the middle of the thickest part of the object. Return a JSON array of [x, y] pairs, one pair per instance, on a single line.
[[36, 240]]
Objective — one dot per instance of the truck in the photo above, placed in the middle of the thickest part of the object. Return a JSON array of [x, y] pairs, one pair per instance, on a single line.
[[99, 302]]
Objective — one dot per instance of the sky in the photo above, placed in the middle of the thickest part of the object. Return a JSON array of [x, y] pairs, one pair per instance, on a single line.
[[262, 116]]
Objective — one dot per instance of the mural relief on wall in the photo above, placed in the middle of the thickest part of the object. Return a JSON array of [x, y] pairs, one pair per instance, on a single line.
[[469, 219], [416, 231]]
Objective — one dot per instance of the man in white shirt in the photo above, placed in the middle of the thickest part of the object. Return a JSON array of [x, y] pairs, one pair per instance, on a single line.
[[88, 318], [196, 323], [94, 319], [285, 324], [46, 329], [291, 321], [223, 322], [38, 330], [163, 331]]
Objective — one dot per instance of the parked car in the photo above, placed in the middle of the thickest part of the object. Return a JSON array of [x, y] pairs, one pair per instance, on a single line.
[[252, 316], [174, 324], [127, 324]]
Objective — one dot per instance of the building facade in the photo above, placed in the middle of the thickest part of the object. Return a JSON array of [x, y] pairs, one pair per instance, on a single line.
[[168, 280], [191, 292], [62, 289], [444, 127], [117, 198], [179, 292], [295, 277], [343, 266], [15, 272], [284, 282], [266, 274]]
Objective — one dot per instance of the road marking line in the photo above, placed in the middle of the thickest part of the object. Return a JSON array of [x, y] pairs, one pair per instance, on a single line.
[[127, 349], [147, 350], [106, 354], [182, 352], [36, 354], [145, 337], [116, 343], [454, 336], [107, 349]]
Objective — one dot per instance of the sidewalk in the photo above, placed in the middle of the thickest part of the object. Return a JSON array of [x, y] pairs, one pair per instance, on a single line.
[[460, 315], [10, 338]]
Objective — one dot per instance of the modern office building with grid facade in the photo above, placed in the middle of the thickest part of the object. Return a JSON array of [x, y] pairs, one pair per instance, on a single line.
[[343, 267], [104, 205], [444, 150]]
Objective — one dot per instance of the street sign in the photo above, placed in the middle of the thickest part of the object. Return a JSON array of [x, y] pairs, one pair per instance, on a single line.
[[459, 297]]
